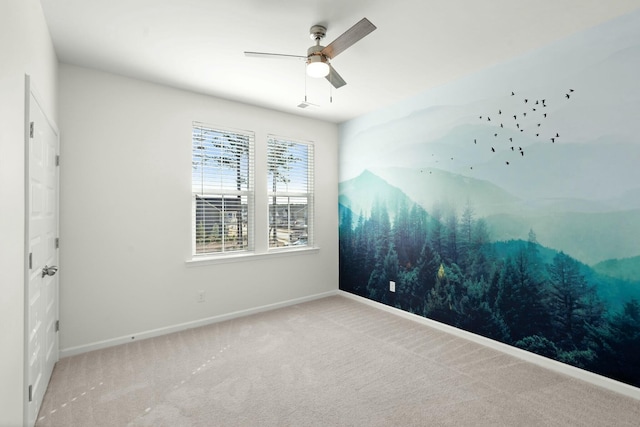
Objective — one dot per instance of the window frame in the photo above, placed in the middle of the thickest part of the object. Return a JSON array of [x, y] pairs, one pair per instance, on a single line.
[[308, 193], [220, 194], [258, 205]]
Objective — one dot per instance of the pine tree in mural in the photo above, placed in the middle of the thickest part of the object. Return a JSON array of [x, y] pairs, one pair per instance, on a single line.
[[438, 305], [450, 248], [377, 285], [465, 238], [346, 251], [402, 236], [520, 298], [618, 344], [477, 314], [574, 308]]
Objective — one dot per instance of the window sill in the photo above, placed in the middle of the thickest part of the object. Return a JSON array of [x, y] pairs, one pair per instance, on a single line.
[[198, 261]]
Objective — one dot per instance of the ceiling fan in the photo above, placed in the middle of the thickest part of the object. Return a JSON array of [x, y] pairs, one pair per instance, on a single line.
[[318, 56]]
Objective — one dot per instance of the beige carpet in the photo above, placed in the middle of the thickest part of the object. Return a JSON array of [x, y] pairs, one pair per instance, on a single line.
[[330, 362]]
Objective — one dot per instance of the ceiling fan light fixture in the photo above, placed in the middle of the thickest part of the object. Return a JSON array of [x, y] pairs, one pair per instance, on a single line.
[[317, 66]]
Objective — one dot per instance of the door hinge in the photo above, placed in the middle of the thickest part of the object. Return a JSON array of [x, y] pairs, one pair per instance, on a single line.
[[30, 392], [31, 126], [30, 260], [57, 159], [57, 326], [57, 243]]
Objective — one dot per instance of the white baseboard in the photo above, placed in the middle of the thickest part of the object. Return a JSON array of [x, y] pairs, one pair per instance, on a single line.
[[72, 351], [536, 359]]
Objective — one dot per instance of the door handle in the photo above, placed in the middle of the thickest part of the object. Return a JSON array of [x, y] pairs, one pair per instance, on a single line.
[[49, 271]]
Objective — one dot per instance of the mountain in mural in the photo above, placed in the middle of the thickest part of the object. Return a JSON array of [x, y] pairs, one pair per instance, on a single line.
[[597, 171], [602, 235], [589, 237], [430, 186], [590, 231], [361, 193], [625, 268]]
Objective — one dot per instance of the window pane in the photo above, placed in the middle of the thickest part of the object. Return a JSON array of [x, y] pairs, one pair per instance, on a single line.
[[288, 221], [288, 166], [221, 223], [220, 160]]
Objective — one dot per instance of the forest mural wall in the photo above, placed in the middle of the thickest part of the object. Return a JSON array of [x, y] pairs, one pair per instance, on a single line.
[[507, 203]]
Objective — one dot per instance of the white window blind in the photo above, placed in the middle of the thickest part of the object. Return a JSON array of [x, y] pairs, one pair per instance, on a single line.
[[290, 191], [222, 189]]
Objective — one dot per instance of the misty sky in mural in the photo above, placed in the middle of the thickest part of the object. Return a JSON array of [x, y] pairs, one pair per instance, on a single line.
[[588, 176]]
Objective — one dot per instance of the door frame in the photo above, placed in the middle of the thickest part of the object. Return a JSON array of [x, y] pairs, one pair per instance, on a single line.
[[30, 91]]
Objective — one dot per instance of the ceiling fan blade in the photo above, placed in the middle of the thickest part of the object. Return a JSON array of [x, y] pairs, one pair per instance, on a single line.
[[273, 55], [334, 78], [348, 38]]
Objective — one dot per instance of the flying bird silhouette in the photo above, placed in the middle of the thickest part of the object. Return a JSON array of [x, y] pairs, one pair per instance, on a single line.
[[567, 95], [553, 140], [493, 149]]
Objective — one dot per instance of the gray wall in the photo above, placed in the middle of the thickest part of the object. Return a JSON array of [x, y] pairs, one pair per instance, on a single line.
[[126, 212]]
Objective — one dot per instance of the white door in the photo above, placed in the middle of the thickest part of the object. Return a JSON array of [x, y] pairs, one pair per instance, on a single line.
[[41, 307]]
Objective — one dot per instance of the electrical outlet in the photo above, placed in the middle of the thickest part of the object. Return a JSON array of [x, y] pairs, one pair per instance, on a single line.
[[200, 296], [392, 286]]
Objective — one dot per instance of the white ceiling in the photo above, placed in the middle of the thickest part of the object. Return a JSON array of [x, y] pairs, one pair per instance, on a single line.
[[198, 45]]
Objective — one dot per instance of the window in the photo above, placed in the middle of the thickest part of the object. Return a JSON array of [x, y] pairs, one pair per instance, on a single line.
[[222, 190], [290, 192]]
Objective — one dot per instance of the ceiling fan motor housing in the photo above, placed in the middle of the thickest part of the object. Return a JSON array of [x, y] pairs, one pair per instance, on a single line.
[[315, 51], [317, 32]]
